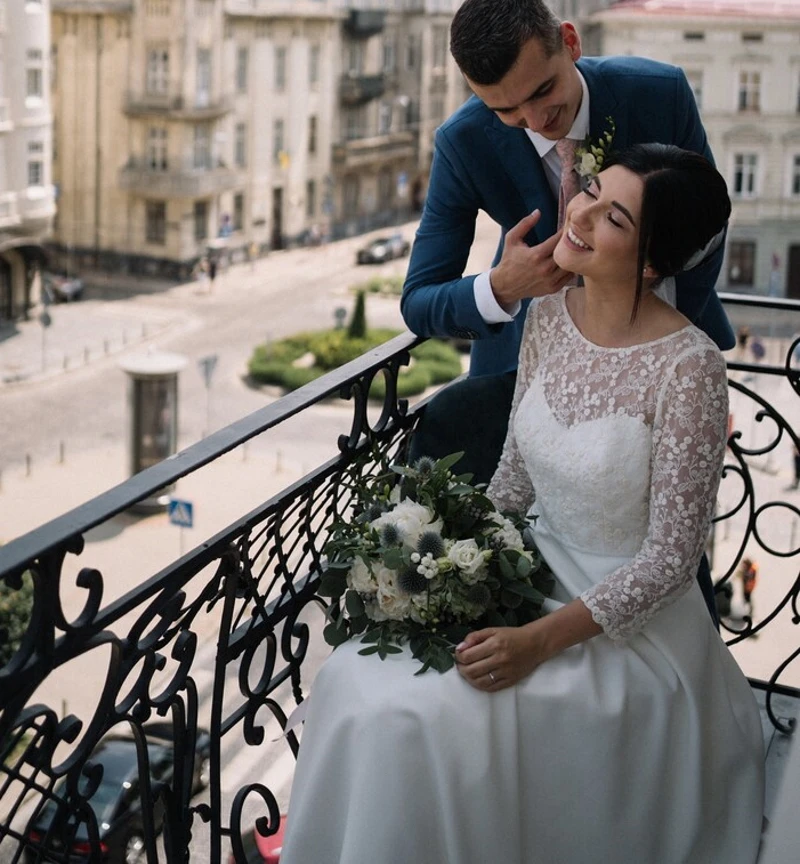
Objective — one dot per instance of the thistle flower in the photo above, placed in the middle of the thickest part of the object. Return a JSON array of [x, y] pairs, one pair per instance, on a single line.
[[411, 582], [424, 466], [373, 511], [430, 543], [390, 535], [480, 595]]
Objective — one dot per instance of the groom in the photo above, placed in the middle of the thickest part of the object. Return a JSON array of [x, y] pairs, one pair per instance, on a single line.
[[535, 98]]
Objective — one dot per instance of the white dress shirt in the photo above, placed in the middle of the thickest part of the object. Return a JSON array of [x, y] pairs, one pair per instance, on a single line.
[[490, 310]]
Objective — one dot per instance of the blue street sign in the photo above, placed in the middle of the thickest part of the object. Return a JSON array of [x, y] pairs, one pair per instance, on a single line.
[[180, 512]]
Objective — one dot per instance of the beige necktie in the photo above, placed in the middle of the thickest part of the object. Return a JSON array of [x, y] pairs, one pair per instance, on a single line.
[[570, 182]]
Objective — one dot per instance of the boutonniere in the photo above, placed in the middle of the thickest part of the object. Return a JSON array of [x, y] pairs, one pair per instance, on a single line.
[[589, 156]]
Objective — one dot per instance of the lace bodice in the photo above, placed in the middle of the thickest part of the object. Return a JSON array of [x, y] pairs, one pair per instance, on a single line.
[[619, 451]]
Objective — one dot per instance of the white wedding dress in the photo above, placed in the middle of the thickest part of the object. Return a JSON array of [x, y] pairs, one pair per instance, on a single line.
[[640, 746]]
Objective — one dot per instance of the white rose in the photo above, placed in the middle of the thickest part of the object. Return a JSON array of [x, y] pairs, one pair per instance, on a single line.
[[390, 600], [588, 165], [469, 559], [412, 519], [359, 577], [508, 534]]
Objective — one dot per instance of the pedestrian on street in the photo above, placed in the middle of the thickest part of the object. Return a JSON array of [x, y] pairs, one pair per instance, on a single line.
[[796, 482], [748, 572], [212, 273]]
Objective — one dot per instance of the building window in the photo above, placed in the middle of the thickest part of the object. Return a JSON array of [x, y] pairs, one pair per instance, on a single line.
[[694, 36], [238, 211], [240, 146], [201, 150], [35, 172], [313, 64], [439, 47], [355, 58], [385, 189], [277, 140], [202, 93], [745, 166], [749, 91], [354, 125], [157, 78], [312, 135], [157, 148], [389, 54], [741, 262], [695, 79], [796, 176], [384, 118], [53, 65], [155, 220], [33, 75], [242, 64], [351, 194], [412, 52], [200, 220], [280, 68], [752, 37], [311, 199]]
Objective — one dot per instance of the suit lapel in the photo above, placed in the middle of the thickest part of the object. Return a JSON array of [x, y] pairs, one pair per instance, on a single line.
[[524, 167], [603, 104]]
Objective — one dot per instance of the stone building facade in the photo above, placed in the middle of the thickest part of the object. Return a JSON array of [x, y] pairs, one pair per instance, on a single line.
[[27, 197], [188, 126], [742, 57]]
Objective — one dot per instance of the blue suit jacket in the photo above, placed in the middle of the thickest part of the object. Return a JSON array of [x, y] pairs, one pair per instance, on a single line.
[[481, 164]]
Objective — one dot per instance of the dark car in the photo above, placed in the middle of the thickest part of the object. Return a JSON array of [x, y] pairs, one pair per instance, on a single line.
[[383, 249], [116, 802], [60, 288], [261, 850]]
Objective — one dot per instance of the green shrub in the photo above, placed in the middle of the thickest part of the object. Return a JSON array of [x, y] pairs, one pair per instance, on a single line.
[[358, 323], [410, 382], [16, 607], [392, 285], [299, 376]]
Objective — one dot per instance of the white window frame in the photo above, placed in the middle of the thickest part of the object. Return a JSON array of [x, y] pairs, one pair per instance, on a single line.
[[242, 68], [201, 147], [794, 176], [34, 74], [240, 145], [745, 163], [202, 91], [314, 60], [157, 148], [157, 74], [695, 78], [748, 91], [280, 67], [278, 138]]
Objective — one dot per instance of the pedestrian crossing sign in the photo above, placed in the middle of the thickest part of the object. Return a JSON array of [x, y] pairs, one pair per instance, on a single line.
[[180, 512]]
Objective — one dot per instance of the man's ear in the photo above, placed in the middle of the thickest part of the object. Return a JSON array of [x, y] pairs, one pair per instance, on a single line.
[[649, 272], [571, 39]]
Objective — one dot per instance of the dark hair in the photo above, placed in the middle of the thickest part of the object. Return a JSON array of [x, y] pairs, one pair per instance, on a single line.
[[685, 204], [486, 35]]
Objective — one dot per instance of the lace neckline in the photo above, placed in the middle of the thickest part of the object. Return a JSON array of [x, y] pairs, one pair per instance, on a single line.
[[571, 325]]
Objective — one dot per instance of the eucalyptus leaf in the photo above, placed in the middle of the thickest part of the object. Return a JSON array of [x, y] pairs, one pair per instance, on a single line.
[[354, 604], [447, 462], [334, 635], [332, 585], [373, 649]]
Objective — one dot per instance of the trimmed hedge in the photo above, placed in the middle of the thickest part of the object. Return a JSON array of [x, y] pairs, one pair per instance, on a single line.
[[434, 362]]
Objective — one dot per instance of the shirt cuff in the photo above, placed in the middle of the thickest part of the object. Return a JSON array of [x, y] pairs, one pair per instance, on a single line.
[[488, 307]]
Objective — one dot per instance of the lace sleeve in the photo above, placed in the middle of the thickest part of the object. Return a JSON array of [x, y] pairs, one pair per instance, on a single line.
[[510, 488], [688, 449]]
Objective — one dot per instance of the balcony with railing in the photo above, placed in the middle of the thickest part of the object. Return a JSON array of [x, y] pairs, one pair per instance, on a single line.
[[226, 636], [181, 181], [376, 149], [176, 106], [357, 89]]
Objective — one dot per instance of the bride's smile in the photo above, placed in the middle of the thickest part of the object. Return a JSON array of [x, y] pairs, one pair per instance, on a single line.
[[601, 232]]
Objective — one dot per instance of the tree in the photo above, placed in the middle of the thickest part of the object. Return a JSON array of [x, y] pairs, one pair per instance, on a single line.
[[357, 328]]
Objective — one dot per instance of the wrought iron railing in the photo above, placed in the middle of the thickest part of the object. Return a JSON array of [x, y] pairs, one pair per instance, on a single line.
[[252, 585]]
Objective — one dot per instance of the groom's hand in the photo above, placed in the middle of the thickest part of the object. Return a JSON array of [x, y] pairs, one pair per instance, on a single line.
[[527, 271]]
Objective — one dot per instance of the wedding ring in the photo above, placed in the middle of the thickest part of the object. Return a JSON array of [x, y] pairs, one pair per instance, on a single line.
[[493, 679]]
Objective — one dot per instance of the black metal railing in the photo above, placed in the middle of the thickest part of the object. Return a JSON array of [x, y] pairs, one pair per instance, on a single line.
[[231, 624]]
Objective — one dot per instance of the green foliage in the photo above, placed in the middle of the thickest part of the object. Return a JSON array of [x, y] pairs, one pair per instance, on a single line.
[[357, 329], [386, 588], [16, 606], [386, 285], [435, 361]]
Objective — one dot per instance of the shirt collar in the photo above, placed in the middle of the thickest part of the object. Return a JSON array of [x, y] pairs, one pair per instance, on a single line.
[[579, 130]]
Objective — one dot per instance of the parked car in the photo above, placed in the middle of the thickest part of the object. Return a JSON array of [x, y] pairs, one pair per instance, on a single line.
[[261, 850], [383, 249], [116, 802], [60, 288]]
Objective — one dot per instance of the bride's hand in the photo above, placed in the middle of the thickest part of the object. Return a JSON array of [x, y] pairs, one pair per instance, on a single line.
[[499, 657]]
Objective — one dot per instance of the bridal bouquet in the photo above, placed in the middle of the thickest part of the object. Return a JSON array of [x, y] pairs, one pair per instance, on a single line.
[[425, 559]]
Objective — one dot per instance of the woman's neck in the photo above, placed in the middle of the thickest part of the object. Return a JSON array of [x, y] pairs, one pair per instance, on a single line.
[[602, 313]]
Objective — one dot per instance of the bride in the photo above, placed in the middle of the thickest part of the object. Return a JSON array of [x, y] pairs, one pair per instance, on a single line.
[[617, 728]]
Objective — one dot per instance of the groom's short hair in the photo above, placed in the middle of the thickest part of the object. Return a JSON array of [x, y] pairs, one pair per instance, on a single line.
[[486, 35]]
